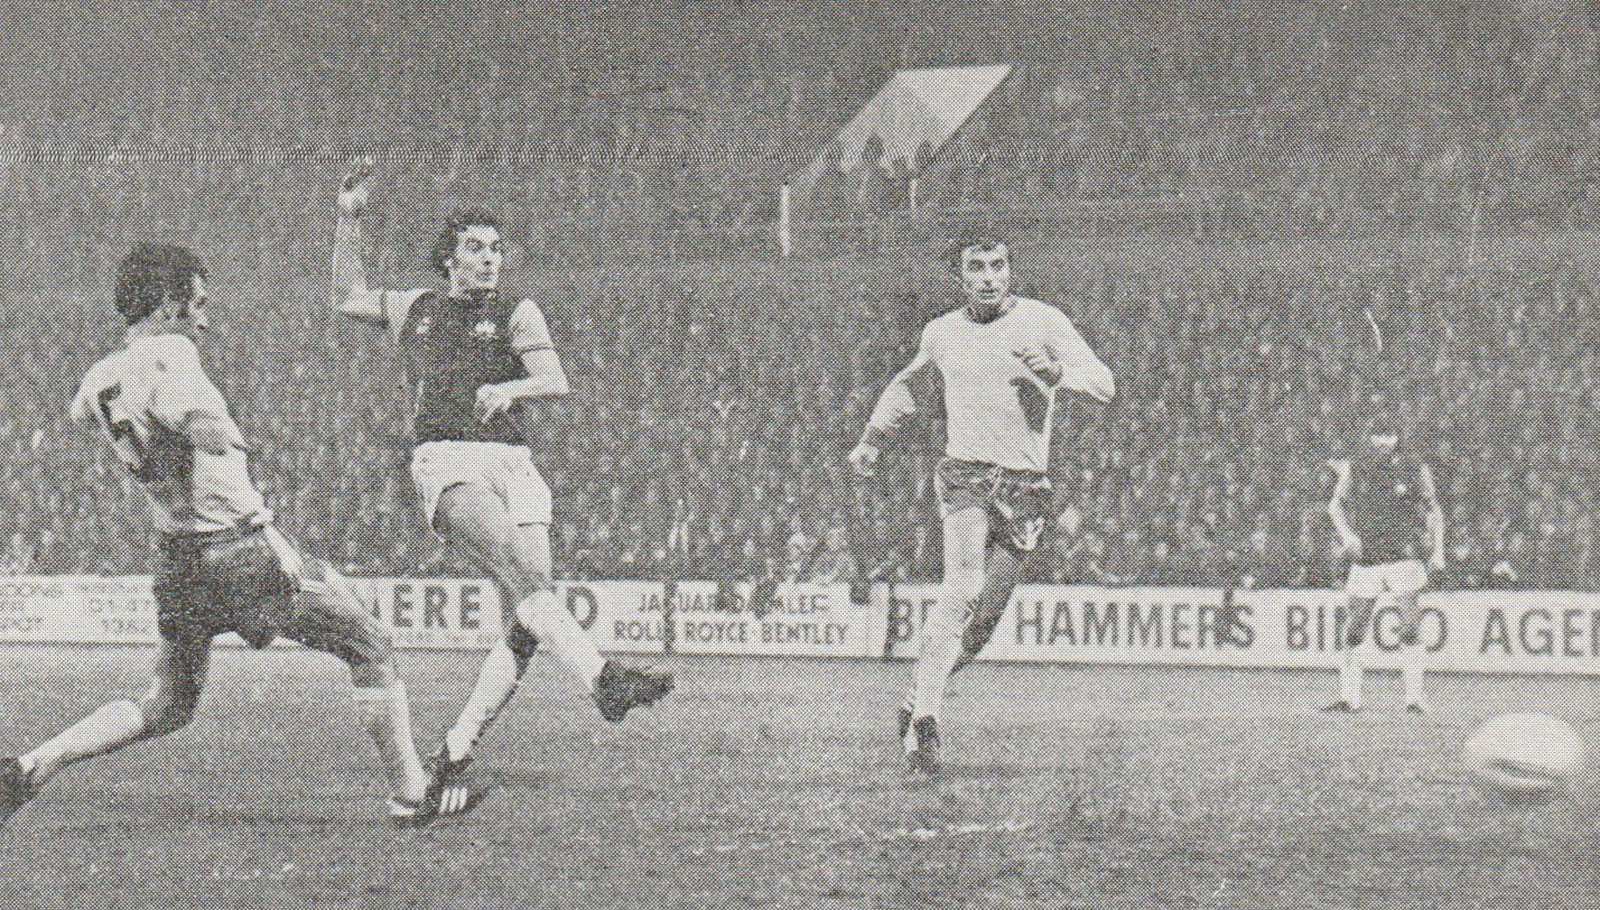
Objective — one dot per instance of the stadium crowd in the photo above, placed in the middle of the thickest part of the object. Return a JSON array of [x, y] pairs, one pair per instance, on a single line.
[[1217, 224], [706, 432]]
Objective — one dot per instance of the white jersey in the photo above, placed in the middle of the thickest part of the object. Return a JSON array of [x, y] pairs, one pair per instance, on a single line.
[[140, 399], [997, 411]]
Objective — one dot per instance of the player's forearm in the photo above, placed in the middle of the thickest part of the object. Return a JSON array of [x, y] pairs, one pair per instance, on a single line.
[[542, 386], [348, 293], [1341, 521], [893, 407], [1087, 375], [885, 421]]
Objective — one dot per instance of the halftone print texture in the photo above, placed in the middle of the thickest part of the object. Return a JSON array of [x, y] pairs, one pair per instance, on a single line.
[[1273, 221]]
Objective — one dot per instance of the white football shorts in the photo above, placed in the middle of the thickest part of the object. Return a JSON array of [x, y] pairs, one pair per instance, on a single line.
[[1408, 576], [505, 469]]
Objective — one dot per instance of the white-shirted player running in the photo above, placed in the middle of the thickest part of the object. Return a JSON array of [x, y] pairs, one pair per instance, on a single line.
[[224, 567], [1004, 361], [472, 358]]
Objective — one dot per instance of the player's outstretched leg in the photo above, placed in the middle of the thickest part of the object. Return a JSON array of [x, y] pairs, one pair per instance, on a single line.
[[966, 533], [517, 555], [180, 671], [474, 517], [1358, 624], [1005, 572], [616, 688], [329, 616]]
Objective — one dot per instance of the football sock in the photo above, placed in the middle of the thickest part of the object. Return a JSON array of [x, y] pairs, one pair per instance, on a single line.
[[558, 629], [111, 727], [497, 682], [1411, 676], [941, 648], [387, 713], [1350, 681]]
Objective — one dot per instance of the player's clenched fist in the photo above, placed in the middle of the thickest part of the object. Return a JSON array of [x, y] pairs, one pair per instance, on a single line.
[[492, 400], [1041, 361], [864, 459], [353, 192]]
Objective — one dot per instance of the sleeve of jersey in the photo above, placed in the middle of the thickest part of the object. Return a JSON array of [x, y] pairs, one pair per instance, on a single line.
[[897, 401], [529, 331], [182, 393], [397, 306], [1081, 370], [82, 412]]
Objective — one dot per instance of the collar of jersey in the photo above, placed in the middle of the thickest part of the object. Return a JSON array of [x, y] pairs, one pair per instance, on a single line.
[[476, 298], [163, 339], [1010, 304]]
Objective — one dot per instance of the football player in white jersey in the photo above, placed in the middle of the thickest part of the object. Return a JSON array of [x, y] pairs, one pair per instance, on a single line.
[[474, 359], [1004, 361], [223, 567]]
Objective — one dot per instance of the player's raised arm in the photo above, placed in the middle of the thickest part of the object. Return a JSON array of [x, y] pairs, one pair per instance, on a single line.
[[895, 405], [349, 293]]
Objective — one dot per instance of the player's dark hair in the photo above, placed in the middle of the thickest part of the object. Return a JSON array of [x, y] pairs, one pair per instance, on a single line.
[[983, 243], [444, 246], [153, 273]]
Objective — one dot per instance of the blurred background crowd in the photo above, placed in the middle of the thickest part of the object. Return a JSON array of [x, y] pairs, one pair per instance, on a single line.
[[1220, 194]]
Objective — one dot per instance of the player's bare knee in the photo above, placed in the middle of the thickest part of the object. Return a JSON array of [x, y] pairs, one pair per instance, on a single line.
[[374, 675], [522, 642], [370, 652], [964, 584]]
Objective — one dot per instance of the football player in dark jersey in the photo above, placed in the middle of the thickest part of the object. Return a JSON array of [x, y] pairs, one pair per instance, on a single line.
[[1387, 515], [472, 358]]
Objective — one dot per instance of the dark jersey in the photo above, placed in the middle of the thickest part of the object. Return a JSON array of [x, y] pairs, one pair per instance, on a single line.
[[1387, 505], [452, 347]]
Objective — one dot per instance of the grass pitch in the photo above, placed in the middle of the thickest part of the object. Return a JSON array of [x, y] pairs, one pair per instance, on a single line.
[[776, 783]]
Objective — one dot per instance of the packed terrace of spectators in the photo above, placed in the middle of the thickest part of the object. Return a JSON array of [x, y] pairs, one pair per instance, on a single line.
[[1218, 224]]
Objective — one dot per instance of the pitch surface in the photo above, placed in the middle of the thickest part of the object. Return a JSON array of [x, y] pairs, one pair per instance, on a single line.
[[768, 783]]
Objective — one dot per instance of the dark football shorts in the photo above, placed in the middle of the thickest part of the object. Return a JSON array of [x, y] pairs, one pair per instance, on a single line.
[[235, 582], [1021, 504]]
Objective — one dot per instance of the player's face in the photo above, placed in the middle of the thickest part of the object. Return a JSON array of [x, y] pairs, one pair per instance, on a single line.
[[476, 263], [986, 277], [189, 315]]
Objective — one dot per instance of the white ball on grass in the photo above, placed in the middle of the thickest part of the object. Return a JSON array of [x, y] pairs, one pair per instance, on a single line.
[[1525, 754]]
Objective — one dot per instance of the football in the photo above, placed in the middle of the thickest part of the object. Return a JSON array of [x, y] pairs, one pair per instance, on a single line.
[[1525, 754]]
